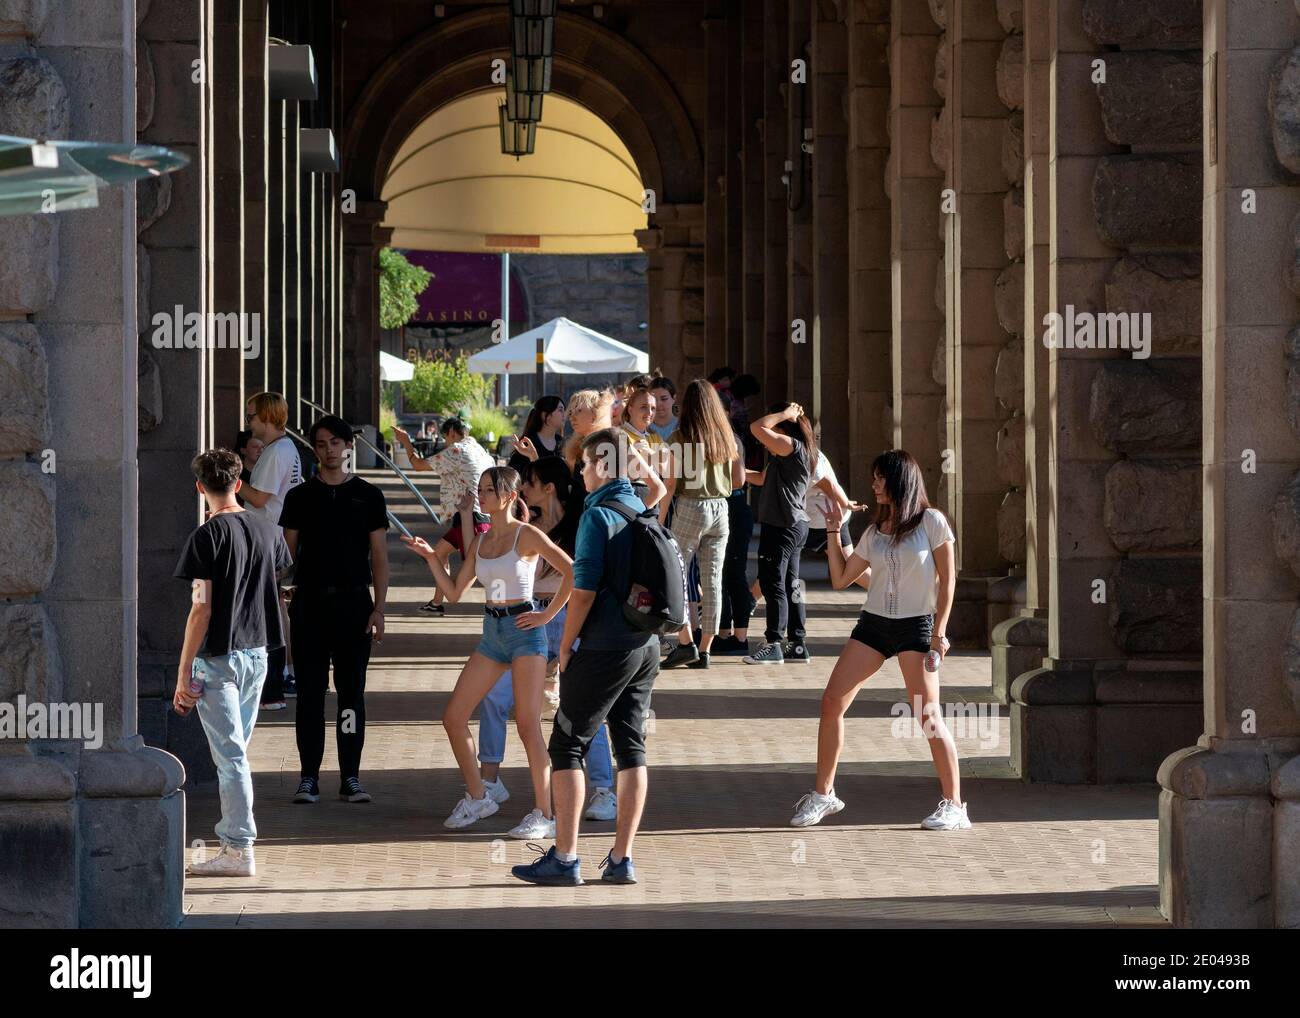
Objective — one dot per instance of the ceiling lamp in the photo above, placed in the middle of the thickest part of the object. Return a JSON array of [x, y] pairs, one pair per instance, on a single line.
[[518, 137], [532, 43]]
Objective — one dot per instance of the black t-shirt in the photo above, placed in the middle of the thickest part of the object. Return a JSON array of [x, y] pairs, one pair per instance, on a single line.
[[241, 553], [518, 460], [334, 523], [785, 488]]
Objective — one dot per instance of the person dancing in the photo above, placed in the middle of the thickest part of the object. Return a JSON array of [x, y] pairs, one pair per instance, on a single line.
[[907, 553], [504, 560]]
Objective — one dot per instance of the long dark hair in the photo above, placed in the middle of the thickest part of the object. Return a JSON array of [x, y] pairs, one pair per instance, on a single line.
[[906, 489], [553, 470], [541, 410], [800, 429], [704, 423]]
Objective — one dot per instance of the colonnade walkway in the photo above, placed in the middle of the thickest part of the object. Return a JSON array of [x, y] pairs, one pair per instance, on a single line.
[[731, 750]]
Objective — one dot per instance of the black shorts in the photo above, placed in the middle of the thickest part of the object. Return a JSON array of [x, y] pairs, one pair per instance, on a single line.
[[602, 686], [889, 636], [816, 542]]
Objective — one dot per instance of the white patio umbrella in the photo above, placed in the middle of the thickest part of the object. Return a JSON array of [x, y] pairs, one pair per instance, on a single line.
[[568, 348], [394, 369]]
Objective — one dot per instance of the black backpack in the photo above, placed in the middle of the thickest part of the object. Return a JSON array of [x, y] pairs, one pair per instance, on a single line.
[[652, 582]]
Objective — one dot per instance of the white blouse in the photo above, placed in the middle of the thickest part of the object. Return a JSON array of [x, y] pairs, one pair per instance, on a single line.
[[904, 581]]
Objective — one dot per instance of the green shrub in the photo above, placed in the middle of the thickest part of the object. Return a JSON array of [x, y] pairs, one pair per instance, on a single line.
[[387, 422], [444, 387], [484, 420], [400, 284]]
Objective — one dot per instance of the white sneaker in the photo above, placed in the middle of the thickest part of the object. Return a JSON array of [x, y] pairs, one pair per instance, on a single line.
[[948, 817], [534, 827], [603, 805], [815, 807], [229, 862], [469, 811], [497, 790]]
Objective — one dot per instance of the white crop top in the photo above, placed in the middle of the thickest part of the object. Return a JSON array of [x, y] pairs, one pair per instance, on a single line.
[[904, 582], [507, 577]]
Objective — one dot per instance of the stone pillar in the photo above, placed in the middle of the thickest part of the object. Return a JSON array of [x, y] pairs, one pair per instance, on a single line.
[[1230, 805], [1118, 687], [295, 269], [830, 213], [170, 223], [256, 187], [869, 298], [776, 140], [363, 239], [675, 246], [754, 218], [734, 189], [800, 251], [916, 245], [226, 158], [715, 185], [1018, 644], [92, 833]]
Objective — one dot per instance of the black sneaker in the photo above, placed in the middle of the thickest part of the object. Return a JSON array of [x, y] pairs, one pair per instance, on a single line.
[[729, 646], [797, 653], [682, 654], [290, 686], [352, 791], [308, 791], [430, 608], [701, 662]]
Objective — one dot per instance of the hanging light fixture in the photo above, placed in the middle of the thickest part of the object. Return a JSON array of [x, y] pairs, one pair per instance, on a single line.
[[532, 44], [518, 137], [522, 105]]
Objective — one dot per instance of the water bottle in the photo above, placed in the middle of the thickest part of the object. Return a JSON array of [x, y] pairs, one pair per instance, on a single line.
[[932, 660]]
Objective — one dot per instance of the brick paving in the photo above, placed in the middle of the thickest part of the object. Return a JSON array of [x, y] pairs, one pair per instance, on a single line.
[[731, 750]]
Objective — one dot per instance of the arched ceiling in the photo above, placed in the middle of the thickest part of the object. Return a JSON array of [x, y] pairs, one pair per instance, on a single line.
[[450, 188]]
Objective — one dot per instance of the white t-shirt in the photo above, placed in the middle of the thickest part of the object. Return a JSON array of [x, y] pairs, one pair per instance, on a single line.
[[904, 582], [278, 469], [817, 501]]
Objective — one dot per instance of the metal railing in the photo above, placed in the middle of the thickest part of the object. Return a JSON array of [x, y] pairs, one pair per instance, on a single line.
[[383, 456], [391, 515]]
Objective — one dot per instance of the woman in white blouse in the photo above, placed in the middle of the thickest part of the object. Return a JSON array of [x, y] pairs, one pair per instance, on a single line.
[[906, 557]]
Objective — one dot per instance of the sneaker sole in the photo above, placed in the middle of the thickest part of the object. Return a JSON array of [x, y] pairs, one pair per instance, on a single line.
[[813, 823], [549, 882], [303, 797], [751, 661], [618, 880], [531, 836], [361, 797], [599, 819]]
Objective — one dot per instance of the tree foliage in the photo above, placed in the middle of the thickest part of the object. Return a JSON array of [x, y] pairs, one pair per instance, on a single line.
[[445, 387], [400, 285]]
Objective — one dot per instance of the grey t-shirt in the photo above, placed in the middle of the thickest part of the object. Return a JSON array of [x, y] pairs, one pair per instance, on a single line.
[[781, 503]]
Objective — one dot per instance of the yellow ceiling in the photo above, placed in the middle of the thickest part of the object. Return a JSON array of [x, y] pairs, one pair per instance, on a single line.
[[451, 189]]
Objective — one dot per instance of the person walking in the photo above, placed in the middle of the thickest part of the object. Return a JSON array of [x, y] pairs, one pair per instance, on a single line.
[[336, 527], [231, 561], [277, 471], [704, 453], [787, 435], [908, 555], [607, 672], [546, 490], [504, 560], [459, 466]]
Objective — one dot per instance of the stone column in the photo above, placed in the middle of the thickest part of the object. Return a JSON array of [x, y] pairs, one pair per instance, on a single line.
[[869, 298], [1018, 644], [675, 245], [776, 94], [800, 251], [170, 223], [715, 186], [226, 157], [734, 189], [93, 827], [256, 188], [916, 245], [1118, 686], [363, 239], [754, 219], [830, 213], [1230, 805], [295, 269]]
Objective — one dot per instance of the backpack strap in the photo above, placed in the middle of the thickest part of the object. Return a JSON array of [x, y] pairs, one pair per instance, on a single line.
[[627, 512]]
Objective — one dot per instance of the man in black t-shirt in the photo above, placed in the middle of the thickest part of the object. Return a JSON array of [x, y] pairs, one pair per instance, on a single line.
[[231, 562], [336, 527]]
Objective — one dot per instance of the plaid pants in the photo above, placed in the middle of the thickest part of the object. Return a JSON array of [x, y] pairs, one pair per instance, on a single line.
[[700, 526]]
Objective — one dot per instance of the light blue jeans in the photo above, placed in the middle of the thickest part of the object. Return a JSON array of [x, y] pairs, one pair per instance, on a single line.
[[232, 689], [494, 711]]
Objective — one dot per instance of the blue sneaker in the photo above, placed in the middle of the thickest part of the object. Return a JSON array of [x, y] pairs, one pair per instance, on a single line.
[[546, 869], [618, 872]]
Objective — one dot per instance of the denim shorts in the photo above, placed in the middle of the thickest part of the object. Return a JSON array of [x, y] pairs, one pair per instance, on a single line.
[[890, 636], [503, 641]]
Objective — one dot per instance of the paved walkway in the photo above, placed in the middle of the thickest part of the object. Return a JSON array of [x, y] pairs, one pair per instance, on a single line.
[[731, 751]]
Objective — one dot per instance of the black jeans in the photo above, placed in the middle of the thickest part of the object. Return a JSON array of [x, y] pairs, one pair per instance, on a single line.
[[598, 686], [737, 601], [779, 549], [331, 628]]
